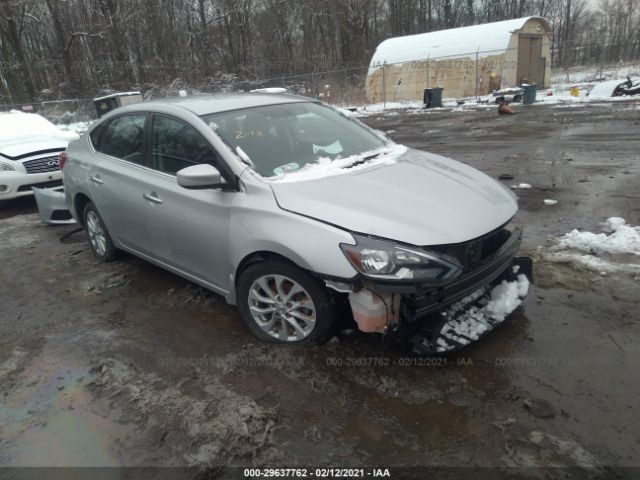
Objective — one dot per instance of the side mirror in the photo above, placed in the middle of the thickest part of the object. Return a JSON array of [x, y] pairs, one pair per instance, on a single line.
[[198, 177]]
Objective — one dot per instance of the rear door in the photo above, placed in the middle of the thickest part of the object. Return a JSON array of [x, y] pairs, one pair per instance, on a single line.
[[187, 229], [114, 180]]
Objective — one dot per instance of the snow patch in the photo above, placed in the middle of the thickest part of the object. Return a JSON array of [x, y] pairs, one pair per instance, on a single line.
[[622, 239], [243, 156], [614, 250], [327, 167], [75, 127]]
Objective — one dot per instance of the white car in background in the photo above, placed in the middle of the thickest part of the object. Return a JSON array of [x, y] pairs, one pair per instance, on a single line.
[[29, 148]]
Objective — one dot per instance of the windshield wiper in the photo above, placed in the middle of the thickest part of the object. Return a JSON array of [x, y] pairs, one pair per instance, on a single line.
[[365, 159]]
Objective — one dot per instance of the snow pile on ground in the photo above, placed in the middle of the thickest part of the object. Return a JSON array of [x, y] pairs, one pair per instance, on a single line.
[[381, 108], [389, 109], [327, 167], [615, 250], [76, 127], [564, 99], [557, 97], [622, 238], [593, 73], [465, 326]]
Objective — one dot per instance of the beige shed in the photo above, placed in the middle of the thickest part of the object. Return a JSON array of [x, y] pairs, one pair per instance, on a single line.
[[465, 61]]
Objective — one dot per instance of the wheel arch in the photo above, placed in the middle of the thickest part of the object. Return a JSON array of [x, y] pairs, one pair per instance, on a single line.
[[261, 256], [80, 201]]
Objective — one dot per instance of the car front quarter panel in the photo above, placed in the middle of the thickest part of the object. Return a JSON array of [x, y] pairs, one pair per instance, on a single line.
[[259, 225]]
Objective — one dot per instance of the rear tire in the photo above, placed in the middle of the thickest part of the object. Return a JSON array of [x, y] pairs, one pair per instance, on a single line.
[[282, 303], [99, 239]]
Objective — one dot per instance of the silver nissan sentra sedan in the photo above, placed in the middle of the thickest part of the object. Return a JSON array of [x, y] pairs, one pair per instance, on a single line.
[[298, 215]]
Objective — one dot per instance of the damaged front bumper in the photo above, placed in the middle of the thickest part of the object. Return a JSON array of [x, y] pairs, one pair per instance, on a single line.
[[439, 319], [471, 317], [52, 206]]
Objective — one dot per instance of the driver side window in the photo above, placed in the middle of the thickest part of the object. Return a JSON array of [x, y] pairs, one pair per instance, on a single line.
[[176, 145]]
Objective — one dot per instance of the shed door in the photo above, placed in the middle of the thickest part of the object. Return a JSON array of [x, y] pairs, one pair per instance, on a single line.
[[529, 53]]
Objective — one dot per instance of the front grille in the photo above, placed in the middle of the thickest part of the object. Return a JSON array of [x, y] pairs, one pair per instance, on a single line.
[[503, 246], [473, 253], [51, 184], [42, 165]]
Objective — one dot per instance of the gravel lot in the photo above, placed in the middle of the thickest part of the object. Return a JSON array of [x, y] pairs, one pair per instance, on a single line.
[[126, 364]]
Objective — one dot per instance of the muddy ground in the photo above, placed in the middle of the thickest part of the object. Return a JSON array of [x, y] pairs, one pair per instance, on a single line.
[[126, 364]]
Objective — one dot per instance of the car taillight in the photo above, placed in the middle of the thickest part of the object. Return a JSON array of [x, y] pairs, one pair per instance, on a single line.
[[62, 157]]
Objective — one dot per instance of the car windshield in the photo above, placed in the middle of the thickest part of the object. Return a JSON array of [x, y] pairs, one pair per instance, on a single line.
[[277, 139]]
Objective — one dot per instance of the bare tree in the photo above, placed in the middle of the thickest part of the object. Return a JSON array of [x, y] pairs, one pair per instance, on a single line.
[[55, 48]]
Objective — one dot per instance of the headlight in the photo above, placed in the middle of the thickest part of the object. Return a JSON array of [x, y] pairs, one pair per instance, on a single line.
[[389, 261], [6, 167]]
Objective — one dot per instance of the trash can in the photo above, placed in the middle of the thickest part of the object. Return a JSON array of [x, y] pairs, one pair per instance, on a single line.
[[529, 94], [433, 97]]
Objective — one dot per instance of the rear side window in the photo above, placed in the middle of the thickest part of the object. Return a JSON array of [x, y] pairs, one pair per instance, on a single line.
[[176, 145], [94, 135], [123, 137]]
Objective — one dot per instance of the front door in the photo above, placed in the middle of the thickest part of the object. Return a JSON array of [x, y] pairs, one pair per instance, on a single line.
[[529, 58], [188, 229]]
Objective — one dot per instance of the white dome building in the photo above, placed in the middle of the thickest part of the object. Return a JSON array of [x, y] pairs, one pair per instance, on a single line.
[[465, 61]]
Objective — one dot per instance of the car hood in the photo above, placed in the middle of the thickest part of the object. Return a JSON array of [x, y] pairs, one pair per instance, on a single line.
[[20, 147], [421, 199]]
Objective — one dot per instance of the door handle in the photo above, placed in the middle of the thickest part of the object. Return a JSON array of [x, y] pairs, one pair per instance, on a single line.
[[151, 197], [97, 180]]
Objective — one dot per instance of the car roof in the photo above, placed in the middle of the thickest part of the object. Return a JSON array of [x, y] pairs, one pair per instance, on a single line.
[[221, 102]]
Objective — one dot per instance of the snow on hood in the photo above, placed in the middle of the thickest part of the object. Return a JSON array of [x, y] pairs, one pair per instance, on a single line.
[[22, 133], [420, 198]]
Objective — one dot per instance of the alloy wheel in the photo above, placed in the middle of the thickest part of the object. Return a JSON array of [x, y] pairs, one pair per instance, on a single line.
[[96, 233], [282, 308]]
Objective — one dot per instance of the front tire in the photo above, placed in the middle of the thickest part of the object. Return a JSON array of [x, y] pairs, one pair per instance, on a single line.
[[282, 303], [99, 239]]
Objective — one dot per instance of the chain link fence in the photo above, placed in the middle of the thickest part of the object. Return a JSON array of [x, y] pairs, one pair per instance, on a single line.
[[64, 111], [471, 74]]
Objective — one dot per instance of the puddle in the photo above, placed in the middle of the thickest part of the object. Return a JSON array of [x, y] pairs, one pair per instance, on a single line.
[[50, 419]]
